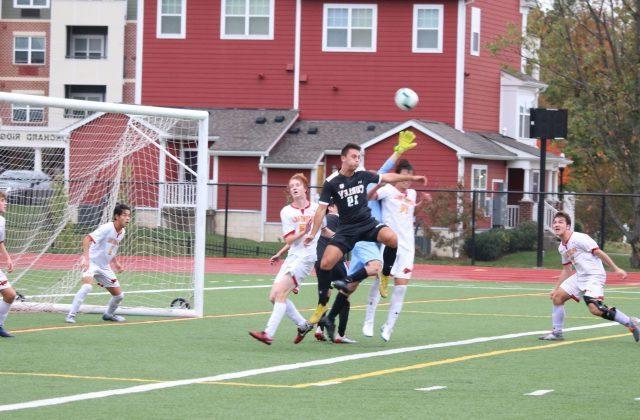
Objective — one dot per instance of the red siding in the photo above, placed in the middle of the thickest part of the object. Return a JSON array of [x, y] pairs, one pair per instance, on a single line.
[[130, 50], [7, 68], [431, 158], [277, 198], [366, 82], [206, 71], [242, 170], [497, 169], [482, 83]]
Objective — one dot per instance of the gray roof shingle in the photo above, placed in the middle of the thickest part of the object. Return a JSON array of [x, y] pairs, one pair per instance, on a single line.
[[513, 143], [238, 131], [469, 141]]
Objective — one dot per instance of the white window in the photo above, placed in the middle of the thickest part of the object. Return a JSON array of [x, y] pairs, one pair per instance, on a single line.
[[31, 4], [475, 31], [350, 27], [479, 174], [428, 27], [247, 19], [26, 114], [88, 46], [83, 93], [172, 15], [524, 122], [28, 50], [535, 185]]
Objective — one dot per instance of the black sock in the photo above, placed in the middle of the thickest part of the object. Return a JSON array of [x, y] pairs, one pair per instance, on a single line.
[[338, 304], [344, 318], [323, 296], [359, 275], [388, 259]]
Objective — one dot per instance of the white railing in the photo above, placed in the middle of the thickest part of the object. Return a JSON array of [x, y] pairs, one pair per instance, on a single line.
[[513, 216], [178, 194], [549, 214], [569, 205]]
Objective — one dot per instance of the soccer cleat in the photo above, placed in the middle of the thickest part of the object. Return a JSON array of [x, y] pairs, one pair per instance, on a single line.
[[367, 329], [330, 326], [342, 285], [635, 329], [344, 340], [552, 336], [385, 333], [384, 286], [319, 335], [70, 319], [302, 331], [317, 314], [261, 336], [113, 318], [4, 333]]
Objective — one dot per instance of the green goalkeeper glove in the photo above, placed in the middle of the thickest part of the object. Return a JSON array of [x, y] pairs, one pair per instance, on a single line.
[[405, 142]]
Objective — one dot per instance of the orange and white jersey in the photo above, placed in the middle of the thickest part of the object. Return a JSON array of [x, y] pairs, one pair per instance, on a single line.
[[398, 213], [3, 224], [295, 220], [578, 250], [105, 244]]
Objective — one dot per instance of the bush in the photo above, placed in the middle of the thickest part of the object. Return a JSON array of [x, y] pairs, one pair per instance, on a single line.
[[494, 243]]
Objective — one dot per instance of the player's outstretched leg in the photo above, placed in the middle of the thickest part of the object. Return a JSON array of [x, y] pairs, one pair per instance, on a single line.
[[8, 296], [117, 296], [342, 326], [303, 326], [397, 299], [78, 300], [372, 303], [598, 308]]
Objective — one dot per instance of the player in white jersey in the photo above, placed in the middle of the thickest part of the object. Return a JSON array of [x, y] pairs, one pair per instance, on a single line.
[[296, 222], [7, 292], [99, 249], [582, 252], [399, 204]]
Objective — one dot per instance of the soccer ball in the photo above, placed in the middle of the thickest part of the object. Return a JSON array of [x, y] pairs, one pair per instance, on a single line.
[[406, 99]]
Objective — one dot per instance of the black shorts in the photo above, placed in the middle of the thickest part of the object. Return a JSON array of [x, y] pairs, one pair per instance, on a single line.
[[347, 235], [338, 272]]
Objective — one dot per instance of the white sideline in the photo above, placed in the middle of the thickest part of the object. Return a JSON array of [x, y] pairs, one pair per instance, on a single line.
[[279, 368], [539, 392]]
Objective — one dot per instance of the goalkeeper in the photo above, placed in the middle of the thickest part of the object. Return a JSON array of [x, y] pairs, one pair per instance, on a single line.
[[366, 254]]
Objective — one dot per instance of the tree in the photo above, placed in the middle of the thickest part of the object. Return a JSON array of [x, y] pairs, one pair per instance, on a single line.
[[589, 56]]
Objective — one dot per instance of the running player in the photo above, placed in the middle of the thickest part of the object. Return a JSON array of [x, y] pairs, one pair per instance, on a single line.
[[582, 252], [296, 222], [7, 292], [99, 249]]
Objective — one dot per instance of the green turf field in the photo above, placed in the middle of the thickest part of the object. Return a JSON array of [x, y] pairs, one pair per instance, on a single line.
[[594, 373]]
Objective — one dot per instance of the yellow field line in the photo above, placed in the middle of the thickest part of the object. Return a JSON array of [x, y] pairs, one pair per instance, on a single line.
[[237, 315], [68, 376], [454, 360]]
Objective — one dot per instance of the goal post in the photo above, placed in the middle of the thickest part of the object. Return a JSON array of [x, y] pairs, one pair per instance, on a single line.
[[65, 163]]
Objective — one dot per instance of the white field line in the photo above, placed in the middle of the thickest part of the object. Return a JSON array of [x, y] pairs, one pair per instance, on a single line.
[[431, 388], [273, 369], [539, 392]]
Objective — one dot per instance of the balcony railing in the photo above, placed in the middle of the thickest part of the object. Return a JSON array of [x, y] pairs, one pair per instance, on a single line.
[[513, 216]]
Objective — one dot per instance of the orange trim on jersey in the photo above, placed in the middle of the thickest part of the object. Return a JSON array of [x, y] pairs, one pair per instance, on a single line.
[[595, 249], [91, 237], [569, 263], [294, 280], [306, 207], [565, 243], [575, 298], [290, 233]]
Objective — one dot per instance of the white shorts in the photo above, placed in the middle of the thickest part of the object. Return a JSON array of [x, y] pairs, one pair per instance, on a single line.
[[104, 276], [579, 286], [403, 267], [4, 282], [298, 267]]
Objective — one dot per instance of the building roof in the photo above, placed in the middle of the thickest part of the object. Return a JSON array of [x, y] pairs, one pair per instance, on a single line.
[[471, 142], [515, 144], [237, 130], [299, 147]]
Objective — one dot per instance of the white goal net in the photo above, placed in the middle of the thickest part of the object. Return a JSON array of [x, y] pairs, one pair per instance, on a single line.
[[64, 165]]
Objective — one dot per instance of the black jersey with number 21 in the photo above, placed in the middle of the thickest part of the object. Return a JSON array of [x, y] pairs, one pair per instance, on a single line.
[[350, 195]]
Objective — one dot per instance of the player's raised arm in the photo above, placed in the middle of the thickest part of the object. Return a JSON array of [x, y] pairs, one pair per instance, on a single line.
[[391, 177], [317, 223]]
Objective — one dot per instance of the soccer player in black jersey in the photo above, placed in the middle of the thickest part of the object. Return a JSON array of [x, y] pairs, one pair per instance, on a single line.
[[347, 188]]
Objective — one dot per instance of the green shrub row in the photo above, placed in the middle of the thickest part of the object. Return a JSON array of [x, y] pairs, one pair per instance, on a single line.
[[494, 243]]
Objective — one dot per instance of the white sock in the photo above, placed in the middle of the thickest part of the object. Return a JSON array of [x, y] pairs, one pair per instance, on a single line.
[[279, 309], [374, 298], [79, 298], [113, 303], [622, 318], [293, 313], [4, 311], [397, 299], [557, 317]]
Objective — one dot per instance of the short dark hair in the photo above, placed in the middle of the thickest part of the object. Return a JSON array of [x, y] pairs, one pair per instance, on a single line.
[[403, 164], [564, 216], [119, 209], [348, 147], [3, 195]]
